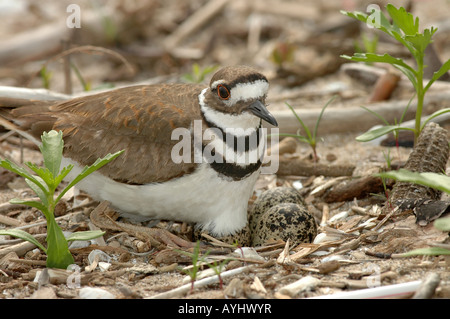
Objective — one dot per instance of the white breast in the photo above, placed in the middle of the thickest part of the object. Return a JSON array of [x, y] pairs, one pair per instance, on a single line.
[[214, 203]]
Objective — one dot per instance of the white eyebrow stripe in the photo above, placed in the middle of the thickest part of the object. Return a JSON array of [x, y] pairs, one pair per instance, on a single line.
[[245, 91]]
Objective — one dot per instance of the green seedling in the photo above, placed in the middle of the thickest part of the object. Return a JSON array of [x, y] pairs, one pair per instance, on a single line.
[[195, 257], [86, 85], [192, 272], [437, 181], [381, 131], [282, 53], [46, 75], [404, 29], [198, 74], [388, 159], [310, 138], [44, 184], [368, 44], [218, 267]]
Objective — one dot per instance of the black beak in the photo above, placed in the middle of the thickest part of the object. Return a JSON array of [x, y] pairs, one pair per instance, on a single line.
[[260, 110]]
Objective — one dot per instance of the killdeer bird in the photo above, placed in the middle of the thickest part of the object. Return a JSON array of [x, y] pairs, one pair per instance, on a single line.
[[147, 180]]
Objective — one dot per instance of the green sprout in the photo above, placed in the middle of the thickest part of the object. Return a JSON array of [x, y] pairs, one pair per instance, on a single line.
[[362, 138], [198, 75], [310, 138], [192, 272], [404, 29], [44, 184], [86, 85], [282, 53], [369, 44], [46, 75], [218, 267], [195, 257]]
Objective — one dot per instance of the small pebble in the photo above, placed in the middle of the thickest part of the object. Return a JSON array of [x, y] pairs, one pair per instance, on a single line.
[[98, 255], [95, 293], [104, 266]]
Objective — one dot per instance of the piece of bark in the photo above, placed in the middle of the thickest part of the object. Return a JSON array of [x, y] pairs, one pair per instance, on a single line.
[[363, 73], [356, 188], [298, 167], [385, 85], [287, 145], [426, 210], [430, 154]]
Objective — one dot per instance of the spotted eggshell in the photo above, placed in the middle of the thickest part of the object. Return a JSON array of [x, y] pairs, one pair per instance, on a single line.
[[285, 221], [270, 198]]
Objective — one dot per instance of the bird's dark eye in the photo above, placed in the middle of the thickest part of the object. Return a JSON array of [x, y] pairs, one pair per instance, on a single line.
[[223, 92]]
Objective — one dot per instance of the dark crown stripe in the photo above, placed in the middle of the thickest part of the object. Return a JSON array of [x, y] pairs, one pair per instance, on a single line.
[[247, 79]]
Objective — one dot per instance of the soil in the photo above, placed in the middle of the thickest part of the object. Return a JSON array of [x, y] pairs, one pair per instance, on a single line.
[[364, 249]]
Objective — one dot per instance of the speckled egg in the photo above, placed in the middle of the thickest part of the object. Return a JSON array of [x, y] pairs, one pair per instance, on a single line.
[[285, 221], [278, 213], [270, 198]]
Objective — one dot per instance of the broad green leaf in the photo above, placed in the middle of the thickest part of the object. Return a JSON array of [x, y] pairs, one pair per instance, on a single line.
[[444, 69], [31, 203], [361, 16], [372, 57], [410, 74], [88, 170], [42, 195], [386, 58], [442, 223], [43, 172], [58, 254], [23, 235], [403, 19], [85, 235], [420, 41], [429, 251], [65, 170], [373, 134], [51, 149], [376, 19], [437, 181]]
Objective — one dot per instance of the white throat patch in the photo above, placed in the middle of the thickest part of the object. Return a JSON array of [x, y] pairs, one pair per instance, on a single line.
[[222, 120]]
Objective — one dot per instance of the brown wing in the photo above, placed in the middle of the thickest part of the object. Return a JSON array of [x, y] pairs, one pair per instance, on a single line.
[[138, 119]]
